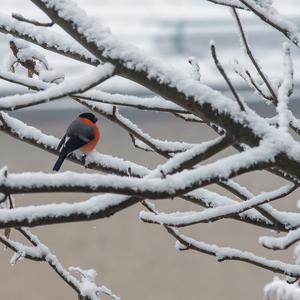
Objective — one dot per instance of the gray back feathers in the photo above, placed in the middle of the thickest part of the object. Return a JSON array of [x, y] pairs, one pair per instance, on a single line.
[[83, 131]]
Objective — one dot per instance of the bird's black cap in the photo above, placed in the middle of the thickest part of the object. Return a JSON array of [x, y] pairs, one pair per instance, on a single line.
[[89, 116]]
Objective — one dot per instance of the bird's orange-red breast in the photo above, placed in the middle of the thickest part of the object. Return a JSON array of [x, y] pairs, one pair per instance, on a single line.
[[90, 146]]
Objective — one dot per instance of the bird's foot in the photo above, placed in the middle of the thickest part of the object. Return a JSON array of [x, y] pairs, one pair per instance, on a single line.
[[84, 160]]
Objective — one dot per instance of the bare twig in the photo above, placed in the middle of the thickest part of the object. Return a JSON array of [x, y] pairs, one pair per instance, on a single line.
[[252, 58], [277, 25], [222, 71], [34, 22]]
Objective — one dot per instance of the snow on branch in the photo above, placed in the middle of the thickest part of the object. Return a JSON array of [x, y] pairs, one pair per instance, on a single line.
[[19, 17], [47, 39], [156, 144], [94, 160], [280, 289], [154, 103], [280, 243], [188, 117], [206, 198], [230, 3], [86, 288], [285, 90], [273, 18], [184, 243], [194, 155], [107, 205], [249, 79], [164, 148], [97, 207], [93, 95], [171, 186], [32, 83], [133, 64], [266, 210], [227, 253], [264, 144], [22, 251], [210, 215], [81, 84], [108, 111], [69, 181]]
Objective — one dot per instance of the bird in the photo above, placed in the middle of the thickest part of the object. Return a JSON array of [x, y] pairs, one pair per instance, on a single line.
[[82, 133]]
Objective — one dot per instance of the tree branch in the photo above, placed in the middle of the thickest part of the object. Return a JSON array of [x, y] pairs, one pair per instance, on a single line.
[[95, 160], [215, 214], [61, 90], [222, 71], [288, 29], [19, 17]]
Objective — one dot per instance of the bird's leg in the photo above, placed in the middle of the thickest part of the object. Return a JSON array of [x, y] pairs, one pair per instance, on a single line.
[[84, 160]]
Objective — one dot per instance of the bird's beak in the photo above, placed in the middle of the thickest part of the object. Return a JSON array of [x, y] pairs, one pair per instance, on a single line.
[[95, 120]]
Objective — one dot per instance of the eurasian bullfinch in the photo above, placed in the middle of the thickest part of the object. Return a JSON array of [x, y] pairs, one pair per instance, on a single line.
[[82, 134]]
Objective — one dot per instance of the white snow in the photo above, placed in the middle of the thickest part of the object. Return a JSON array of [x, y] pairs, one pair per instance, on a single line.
[[212, 214], [24, 131], [69, 86]]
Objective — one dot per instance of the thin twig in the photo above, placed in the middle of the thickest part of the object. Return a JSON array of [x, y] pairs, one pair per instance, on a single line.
[[37, 23], [276, 25], [252, 58], [222, 71]]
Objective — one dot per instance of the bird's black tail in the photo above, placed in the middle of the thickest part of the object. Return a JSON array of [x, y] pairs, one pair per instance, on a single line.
[[59, 162]]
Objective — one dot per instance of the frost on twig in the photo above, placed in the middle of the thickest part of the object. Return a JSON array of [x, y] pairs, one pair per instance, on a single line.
[[195, 68], [19, 17], [88, 284], [285, 90]]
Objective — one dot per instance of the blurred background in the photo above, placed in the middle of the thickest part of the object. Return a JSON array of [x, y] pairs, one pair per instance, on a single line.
[[135, 260]]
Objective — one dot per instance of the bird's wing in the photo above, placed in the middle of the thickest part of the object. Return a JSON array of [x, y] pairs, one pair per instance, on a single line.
[[62, 141], [73, 143], [81, 130]]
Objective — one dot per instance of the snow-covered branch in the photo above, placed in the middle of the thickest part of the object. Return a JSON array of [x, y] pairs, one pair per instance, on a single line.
[[164, 148], [67, 87], [172, 85], [210, 215], [280, 243], [21, 18], [171, 186], [226, 253], [271, 17], [262, 143], [74, 212], [277, 289], [230, 3], [184, 242], [95, 160], [86, 289], [108, 111], [284, 115], [47, 39], [154, 103]]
